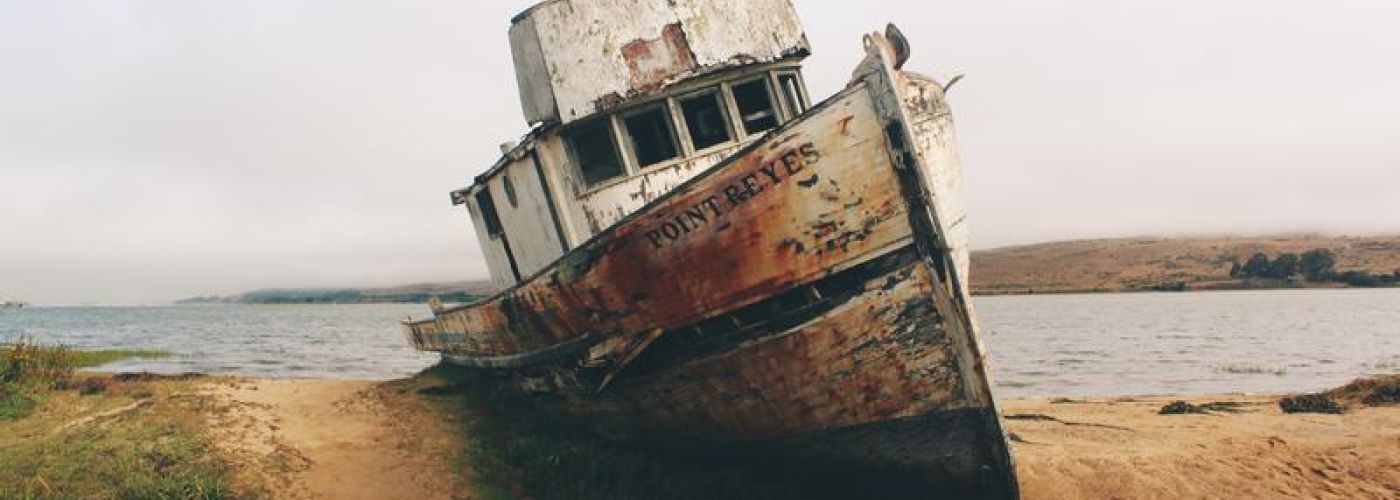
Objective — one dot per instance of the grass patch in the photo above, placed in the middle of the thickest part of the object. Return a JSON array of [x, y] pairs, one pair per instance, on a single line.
[[131, 440], [88, 359], [70, 435], [1249, 369], [516, 448], [29, 370]]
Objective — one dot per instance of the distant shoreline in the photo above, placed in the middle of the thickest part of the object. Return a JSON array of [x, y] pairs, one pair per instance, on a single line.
[[1115, 265], [1191, 287]]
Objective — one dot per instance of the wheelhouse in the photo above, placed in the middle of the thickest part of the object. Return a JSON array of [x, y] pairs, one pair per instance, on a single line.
[[693, 96]]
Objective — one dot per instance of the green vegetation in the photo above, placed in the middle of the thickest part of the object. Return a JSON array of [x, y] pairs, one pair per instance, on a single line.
[[72, 435], [88, 359], [130, 440], [29, 370], [1317, 265], [518, 449], [1249, 369]]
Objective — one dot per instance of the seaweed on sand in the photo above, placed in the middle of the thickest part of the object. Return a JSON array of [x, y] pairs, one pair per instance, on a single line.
[[1377, 391]]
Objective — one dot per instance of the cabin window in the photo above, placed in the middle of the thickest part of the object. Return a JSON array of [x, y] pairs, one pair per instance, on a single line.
[[792, 93], [488, 213], [705, 119], [653, 139], [755, 106], [594, 151]]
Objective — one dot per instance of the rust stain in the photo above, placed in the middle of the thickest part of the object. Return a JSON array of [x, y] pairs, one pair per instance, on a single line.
[[608, 101], [651, 62], [844, 123]]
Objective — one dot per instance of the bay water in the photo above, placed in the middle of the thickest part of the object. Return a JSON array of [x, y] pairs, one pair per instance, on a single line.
[[1268, 341]]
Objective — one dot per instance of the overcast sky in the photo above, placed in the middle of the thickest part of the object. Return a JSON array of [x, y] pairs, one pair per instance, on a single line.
[[152, 150]]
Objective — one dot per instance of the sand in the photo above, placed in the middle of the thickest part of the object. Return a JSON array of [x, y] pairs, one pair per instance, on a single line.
[[1122, 448], [305, 439], [318, 439]]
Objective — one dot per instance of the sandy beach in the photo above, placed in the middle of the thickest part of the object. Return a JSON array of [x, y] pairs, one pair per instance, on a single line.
[[1122, 448], [346, 439]]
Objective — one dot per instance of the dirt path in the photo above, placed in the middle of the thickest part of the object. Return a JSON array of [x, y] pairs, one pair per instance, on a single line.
[[314, 439]]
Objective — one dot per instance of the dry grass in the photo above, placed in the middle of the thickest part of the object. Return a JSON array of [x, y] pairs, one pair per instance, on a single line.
[[1125, 264]]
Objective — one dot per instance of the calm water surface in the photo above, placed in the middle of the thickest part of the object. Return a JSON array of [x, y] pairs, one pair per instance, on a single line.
[[1149, 343], [1189, 343], [360, 341]]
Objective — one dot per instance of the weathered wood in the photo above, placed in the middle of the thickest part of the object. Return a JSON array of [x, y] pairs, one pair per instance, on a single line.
[[807, 293]]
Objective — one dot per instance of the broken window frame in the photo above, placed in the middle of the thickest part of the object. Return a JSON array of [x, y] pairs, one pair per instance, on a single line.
[[738, 133], [798, 92], [620, 153], [664, 107], [773, 104], [726, 112]]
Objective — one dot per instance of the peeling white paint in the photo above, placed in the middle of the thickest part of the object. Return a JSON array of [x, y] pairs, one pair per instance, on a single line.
[[569, 54]]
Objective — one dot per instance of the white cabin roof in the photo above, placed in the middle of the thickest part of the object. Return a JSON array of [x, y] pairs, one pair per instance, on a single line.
[[578, 58]]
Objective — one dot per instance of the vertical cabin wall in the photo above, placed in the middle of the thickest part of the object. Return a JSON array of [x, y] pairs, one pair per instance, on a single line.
[[493, 248], [525, 215]]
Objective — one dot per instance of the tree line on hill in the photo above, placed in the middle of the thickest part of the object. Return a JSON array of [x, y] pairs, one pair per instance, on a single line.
[[1318, 265]]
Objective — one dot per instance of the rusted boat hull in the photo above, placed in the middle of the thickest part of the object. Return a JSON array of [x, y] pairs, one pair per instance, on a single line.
[[805, 297]]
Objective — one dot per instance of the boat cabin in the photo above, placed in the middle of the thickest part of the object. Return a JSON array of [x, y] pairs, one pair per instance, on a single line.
[[628, 99]]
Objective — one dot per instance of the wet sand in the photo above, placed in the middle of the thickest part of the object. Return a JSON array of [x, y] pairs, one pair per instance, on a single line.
[[1122, 448], [344, 439]]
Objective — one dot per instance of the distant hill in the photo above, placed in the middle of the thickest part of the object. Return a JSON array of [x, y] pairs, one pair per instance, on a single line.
[[1104, 265], [1146, 263], [456, 291]]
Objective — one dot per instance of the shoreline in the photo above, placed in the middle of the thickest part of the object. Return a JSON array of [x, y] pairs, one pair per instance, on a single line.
[[1081, 447], [428, 436]]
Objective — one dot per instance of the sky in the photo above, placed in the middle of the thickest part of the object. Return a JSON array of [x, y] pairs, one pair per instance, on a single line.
[[154, 150]]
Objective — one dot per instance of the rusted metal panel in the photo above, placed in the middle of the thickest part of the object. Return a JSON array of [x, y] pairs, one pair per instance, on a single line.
[[575, 58]]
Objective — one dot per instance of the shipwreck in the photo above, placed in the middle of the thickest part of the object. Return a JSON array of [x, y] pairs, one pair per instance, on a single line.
[[688, 246]]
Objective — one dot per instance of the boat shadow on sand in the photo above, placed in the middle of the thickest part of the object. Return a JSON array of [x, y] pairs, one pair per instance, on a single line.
[[518, 445]]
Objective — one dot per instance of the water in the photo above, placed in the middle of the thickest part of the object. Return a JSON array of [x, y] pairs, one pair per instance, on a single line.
[[277, 341], [1266, 341], [1041, 345]]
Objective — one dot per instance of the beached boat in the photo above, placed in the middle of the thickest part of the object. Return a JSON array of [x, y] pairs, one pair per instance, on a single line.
[[688, 248]]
